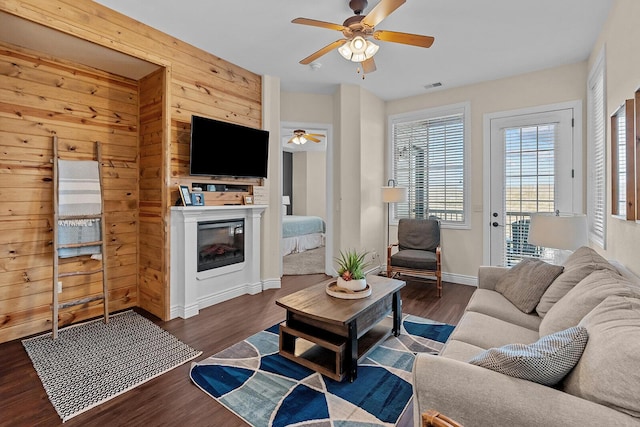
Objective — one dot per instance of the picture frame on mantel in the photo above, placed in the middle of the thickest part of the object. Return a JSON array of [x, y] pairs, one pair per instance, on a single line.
[[185, 195], [197, 199], [247, 200]]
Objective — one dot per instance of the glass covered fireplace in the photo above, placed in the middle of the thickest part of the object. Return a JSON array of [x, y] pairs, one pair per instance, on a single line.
[[220, 243]]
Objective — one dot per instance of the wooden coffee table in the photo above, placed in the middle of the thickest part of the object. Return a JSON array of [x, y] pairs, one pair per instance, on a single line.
[[330, 335]]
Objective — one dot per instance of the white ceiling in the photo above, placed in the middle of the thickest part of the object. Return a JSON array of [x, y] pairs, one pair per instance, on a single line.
[[475, 40]]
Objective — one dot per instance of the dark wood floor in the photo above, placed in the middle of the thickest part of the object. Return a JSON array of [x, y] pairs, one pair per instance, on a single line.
[[172, 399]]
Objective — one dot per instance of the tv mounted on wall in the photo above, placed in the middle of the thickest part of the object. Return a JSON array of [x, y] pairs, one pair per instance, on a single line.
[[226, 149]]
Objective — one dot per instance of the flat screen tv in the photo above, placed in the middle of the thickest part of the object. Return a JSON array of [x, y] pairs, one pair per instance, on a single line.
[[226, 149]]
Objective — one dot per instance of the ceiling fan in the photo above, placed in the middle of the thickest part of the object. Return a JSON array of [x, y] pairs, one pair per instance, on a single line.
[[357, 30], [301, 136]]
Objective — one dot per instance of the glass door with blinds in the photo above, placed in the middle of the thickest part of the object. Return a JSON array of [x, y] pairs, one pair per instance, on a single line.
[[531, 171]]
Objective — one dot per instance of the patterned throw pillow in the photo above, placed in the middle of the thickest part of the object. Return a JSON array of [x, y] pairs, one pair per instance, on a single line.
[[525, 282], [546, 361]]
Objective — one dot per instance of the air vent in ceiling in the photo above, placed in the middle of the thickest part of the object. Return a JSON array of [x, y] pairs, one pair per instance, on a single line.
[[433, 85]]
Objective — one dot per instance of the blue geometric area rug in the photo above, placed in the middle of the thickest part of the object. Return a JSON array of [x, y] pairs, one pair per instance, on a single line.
[[263, 388]]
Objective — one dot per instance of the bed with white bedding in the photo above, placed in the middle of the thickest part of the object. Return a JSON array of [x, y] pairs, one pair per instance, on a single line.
[[301, 233]]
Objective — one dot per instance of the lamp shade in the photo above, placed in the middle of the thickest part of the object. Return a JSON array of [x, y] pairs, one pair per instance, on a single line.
[[394, 194], [558, 231]]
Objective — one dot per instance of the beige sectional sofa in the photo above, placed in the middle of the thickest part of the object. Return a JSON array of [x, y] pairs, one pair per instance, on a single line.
[[602, 389]]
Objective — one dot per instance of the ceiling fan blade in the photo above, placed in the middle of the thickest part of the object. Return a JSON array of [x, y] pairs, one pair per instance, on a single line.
[[404, 38], [311, 138], [381, 11], [336, 44], [321, 24], [368, 66], [316, 134]]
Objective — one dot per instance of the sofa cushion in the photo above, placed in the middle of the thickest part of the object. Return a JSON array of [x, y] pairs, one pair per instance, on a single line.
[[546, 361], [583, 298], [460, 350], [608, 371], [578, 266], [525, 283], [496, 305], [485, 331]]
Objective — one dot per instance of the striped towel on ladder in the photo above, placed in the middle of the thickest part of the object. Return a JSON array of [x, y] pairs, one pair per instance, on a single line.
[[79, 194]]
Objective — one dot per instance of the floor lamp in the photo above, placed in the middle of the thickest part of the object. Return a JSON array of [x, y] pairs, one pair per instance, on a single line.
[[393, 194]]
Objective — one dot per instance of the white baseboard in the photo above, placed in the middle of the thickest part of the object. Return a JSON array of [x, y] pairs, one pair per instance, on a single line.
[[218, 297], [447, 277], [183, 312], [227, 294], [460, 279], [271, 284]]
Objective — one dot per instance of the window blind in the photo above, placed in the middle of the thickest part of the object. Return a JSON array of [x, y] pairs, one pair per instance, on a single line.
[[622, 165], [596, 193], [428, 159]]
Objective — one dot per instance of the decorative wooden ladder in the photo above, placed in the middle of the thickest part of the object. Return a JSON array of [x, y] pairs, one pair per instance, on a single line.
[[56, 306]]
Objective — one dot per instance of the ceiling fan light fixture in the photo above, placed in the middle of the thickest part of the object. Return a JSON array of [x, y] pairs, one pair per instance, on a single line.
[[299, 140], [371, 49], [358, 49], [298, 137]]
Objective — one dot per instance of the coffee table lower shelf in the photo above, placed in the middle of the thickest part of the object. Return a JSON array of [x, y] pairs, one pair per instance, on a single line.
[[326, 352]]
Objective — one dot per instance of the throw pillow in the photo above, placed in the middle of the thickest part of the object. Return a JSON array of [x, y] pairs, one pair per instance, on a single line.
[[546, 361], [608, 371], [525, 282], [583, 298], [579, 265]]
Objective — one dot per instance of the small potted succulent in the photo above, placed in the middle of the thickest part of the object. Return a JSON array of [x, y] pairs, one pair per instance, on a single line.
[[351, 267]]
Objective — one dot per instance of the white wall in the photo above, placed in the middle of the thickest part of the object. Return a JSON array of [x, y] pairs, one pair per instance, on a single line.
[[372, 177], [309, 168], [462, 249], [271, 230], [621, 39], [309, 183]]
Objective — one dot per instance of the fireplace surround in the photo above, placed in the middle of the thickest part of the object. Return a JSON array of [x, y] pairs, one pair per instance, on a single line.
[[193, 288]]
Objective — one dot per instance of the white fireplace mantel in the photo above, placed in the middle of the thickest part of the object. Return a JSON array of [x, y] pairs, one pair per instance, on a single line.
[[191, 290]]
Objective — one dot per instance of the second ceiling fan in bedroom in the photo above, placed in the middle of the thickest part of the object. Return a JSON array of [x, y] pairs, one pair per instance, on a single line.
[[358, 29]]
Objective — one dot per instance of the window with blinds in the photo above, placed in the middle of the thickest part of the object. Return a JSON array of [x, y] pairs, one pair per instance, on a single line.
[[621, 147], [429, 159], [623, 162], [596, 154]]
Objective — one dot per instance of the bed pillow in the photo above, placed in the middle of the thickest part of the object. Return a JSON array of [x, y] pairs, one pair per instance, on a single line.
[[579, 265], [583, 298], [546, 361], [608, 371], [525, 282]]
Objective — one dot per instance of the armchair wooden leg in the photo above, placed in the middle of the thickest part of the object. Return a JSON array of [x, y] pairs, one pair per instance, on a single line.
[[439, 284]]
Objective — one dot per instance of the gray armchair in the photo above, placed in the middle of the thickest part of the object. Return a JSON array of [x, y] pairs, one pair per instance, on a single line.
[[419, 253]]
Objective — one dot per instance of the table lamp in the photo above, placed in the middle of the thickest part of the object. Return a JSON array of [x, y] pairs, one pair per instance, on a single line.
[[558, 231]]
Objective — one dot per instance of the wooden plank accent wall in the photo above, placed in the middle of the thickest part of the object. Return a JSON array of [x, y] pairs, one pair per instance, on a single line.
[[196, 82], [153, 232], [40, 97]]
